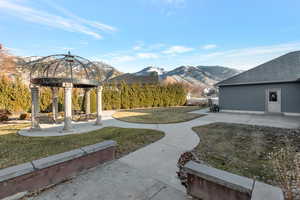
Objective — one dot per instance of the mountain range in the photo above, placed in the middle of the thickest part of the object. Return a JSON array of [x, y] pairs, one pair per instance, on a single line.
[[107, 71], [204, 76]]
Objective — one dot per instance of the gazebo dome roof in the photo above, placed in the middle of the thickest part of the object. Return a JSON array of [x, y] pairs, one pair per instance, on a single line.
[[54, 70]]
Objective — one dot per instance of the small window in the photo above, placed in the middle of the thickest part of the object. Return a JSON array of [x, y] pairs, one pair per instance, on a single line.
[[273, 96]]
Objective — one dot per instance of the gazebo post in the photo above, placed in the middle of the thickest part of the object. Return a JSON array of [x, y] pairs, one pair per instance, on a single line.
[[87, 101], [35, 108], [66, 71], [54, 103], [68, 106], [99, 105]]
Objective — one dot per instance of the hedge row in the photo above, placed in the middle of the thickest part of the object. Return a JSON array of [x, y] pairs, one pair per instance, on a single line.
[[15, 96], [140, 96]]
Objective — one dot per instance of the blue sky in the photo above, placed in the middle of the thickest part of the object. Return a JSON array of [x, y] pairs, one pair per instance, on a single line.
[[133, 34]]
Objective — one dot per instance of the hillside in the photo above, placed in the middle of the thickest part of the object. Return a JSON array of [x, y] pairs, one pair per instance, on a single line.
[[192, 76], [219, 73], [108, 71], [203, 76], [12, 67], [147, 70]]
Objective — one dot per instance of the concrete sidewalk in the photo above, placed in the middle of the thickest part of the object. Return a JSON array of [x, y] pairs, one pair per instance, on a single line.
[[113, 181], [155, 162]]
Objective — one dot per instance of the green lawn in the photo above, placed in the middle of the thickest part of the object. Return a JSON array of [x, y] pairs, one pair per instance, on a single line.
[[16, 149], [242, 149], [158, 115]]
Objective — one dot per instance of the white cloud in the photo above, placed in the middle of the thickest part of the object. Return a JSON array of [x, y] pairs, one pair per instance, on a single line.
[[261, 50], [141, 46], [174, 2], [83, 43], [70, 23], [168, 7], [177, 50], [209, 46], [147, 55], [125, 58], [243, 58], [137, 47], [156, 46]]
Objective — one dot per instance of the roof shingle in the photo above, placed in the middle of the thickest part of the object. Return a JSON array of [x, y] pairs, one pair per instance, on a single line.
[[285, 68]]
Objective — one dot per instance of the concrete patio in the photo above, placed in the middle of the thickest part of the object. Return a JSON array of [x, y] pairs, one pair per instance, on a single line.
[[152, 169], [114, 181]]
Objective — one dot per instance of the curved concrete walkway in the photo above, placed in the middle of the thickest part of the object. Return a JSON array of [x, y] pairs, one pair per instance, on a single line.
[[158, 160]]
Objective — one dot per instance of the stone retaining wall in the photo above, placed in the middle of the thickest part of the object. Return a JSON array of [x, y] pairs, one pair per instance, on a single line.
[[208, 183], [54, 169]]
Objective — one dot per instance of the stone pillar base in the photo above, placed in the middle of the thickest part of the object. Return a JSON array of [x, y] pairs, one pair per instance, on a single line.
[[98, 122], [35, 129], [67, 131], [67, 124]]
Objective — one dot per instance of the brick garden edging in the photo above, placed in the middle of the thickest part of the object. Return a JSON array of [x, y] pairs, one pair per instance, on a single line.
[[54, 169], [209, 183]]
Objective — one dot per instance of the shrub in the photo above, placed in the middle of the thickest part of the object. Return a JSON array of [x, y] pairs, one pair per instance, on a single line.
[[14, 95], [4, 115], [24, 116], [45, 99], [183, 159]]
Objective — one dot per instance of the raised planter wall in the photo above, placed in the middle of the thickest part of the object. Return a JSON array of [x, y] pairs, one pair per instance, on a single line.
[[54, 169], [207, 183]]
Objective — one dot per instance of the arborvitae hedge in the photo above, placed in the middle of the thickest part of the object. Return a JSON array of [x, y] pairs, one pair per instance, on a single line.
[[140, 96], [15, 96]]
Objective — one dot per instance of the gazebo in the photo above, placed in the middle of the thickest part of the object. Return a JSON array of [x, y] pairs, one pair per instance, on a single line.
[[64, 71]]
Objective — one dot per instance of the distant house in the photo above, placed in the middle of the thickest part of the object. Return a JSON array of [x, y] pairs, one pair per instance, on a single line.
[[151, 78], [273, 87], [209, 91]]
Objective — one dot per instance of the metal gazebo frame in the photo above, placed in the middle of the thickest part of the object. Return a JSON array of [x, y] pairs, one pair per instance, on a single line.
[[66, 71]]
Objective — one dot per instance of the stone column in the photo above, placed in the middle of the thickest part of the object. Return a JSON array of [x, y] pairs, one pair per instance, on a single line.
[[68, 106], [87, 101], [54, 103], [35, 107], [99, 105]]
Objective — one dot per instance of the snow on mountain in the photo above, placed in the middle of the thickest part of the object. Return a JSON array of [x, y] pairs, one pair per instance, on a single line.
[[205, 76], [147, 70]]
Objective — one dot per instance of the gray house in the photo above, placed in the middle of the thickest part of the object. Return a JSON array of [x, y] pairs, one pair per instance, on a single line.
[[273, 87]]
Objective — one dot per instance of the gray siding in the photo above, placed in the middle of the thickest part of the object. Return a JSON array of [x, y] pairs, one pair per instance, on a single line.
[[253, 97]]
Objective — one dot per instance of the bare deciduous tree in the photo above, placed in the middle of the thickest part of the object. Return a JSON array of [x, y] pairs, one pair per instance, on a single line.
[[8, 62]]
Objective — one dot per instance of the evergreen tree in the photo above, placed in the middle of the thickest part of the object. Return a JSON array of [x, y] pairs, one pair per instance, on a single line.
[[125, 104], [45, 99], [114, 96], [93, 100]]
